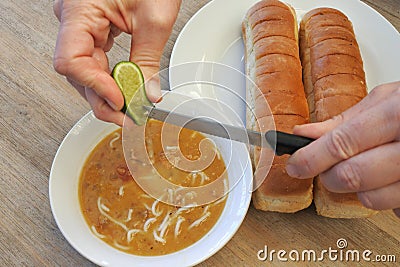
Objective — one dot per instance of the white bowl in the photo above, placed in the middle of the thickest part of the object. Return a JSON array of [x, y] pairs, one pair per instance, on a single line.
[[63, 191]]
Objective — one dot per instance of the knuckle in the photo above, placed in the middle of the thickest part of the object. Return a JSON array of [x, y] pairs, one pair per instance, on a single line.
[[59, 65], [378, 91], [340, 144], [148, 62], [391, 117], [93, 80], [162, 22], [349, 176], [307, 165], [395, 107], [156, 24], [338, 118], [91, 83], [309, 168]]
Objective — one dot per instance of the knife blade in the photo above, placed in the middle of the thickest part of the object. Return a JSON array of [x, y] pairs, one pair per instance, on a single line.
[[280, 142]]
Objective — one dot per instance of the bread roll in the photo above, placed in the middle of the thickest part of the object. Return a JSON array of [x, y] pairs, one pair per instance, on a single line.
[[334, 81], [272, 61]]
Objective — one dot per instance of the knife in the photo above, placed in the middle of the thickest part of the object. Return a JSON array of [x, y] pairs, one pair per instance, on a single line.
[[282, 143]]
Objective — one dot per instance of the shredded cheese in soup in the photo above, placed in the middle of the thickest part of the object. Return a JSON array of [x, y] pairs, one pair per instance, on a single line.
[[120, 213]]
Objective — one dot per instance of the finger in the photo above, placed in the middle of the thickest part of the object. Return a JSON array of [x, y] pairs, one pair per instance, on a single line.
[[150, 33], [148, 58], [102, 110], [74, 59], [78, 87], [369, 129], [371, 169], [383, 198], [316, 130]]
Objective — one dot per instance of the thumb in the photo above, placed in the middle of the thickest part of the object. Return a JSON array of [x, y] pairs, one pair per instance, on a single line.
[[150, 33], [147, 55]]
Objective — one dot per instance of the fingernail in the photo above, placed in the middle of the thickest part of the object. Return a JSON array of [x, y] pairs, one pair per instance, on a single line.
[[296, 127], [153, 90], [112, 105]]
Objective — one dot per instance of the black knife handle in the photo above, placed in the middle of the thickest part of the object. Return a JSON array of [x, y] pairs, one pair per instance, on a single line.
[[285, 143]]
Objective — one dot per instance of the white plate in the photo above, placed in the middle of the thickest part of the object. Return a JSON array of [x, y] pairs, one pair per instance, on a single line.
[[214, 34], [63, 193]]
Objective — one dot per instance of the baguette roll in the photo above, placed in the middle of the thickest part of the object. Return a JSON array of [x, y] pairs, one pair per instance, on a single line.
[[335, 64], [292, 105], [278, 63], [277, 82], [273, 63], [339, 84], [326, 108], [334, 81]]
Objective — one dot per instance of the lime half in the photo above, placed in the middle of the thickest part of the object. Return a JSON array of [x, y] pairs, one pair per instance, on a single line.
[[130, 81]]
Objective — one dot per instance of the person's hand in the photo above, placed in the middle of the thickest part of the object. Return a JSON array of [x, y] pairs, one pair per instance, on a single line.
[[357, 151], [87, 32]]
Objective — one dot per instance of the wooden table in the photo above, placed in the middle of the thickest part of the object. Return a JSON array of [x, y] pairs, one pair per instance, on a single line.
[[37, 109]]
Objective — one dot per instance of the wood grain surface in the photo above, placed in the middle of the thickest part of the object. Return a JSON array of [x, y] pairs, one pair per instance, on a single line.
[[38, 107]]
